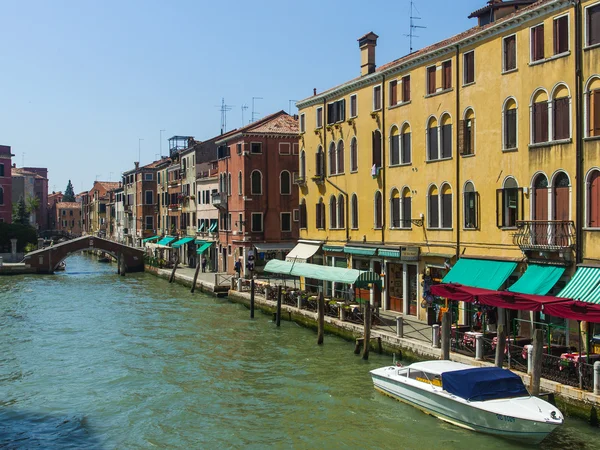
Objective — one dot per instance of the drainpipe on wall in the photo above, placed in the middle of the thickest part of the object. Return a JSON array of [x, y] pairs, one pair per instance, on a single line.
[[579, 188], [458, 190], [383, 153]]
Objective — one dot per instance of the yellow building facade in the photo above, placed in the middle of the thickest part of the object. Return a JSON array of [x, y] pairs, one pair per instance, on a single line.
[[484, 145]]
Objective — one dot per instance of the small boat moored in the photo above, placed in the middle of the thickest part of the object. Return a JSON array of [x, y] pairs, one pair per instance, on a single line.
[[486, 399]]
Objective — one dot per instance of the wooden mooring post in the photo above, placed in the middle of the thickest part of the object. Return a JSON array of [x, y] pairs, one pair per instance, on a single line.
[[500, 346], [252, 298], [446, 328], [367, 332], [174, 268], [536, 361], [195, 277], [119, 264], [320, 319], [278, 313]]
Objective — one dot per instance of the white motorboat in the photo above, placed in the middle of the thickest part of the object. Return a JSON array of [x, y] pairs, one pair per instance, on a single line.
[[485, 399]]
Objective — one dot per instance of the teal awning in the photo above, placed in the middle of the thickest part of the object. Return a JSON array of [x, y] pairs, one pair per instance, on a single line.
[[537, 279], [324, 273], [481, 273], [166, 240], [585, 285], [389, 253], [199, 241], [333, 248], [182, 241], [201, 227], [205, 246], [213, 226], [150, 239], [362, 251]]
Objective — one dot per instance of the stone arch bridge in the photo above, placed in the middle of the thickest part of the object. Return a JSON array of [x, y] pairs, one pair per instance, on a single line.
[[46, 260]]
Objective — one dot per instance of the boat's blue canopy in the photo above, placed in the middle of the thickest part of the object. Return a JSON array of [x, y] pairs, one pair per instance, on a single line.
[[483, 383]]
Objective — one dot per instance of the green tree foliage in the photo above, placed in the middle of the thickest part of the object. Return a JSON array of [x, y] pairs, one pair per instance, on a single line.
[[33, 203], [20, 213], [69, 195], [25, 235]]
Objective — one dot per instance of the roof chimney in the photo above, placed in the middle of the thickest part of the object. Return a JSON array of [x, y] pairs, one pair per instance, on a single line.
[[314, 91], [137, 165], [367, 44]]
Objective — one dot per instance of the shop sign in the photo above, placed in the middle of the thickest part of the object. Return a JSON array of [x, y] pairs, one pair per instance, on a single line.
[[409, 253]]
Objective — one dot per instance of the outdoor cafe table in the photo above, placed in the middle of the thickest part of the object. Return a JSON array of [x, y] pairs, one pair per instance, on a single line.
[[518, 341], [555, 350], [469, 338], [567, 359]]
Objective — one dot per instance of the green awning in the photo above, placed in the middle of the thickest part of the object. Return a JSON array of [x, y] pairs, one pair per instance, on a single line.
[[150, 239], [584, 285], [481, 273], [201, 227], [388, 253], [537, 279], [213, 226], [204, 247], [182, 241], [166, 240], [324, 273], [333, 248], [362, 251], [199, 241]]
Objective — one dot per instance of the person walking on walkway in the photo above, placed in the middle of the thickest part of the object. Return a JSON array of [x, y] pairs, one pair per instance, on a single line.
[[238, 268], [204, 264]]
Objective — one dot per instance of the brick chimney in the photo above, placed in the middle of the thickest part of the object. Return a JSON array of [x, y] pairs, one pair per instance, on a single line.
[[137, 165], [367, 44]]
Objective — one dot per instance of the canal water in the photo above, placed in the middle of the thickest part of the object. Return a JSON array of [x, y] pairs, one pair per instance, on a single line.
[[91, 360]]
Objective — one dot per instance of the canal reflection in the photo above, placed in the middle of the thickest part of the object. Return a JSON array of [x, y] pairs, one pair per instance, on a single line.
[[89, 359]]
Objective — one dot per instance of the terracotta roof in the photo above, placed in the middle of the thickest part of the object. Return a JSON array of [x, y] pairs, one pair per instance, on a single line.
[[276, 123], [108, 185], [437, 45], [67, 205], [25, 173], [495, 4], [156, 163]]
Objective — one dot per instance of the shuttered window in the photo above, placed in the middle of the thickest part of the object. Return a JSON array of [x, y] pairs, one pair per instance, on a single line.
[[303, 221], [376, 148], [341, 212], [446, 210], [406, 151], [434, 218], [446, 74], [561, 35], [319, 169], [510, 129], [320, 214], [319, 121], [353, 106], [378, 210], [466, 143], [354, 211], [332, 160], [396, 212], [432, 144], [376, 98], [353, 155], [333, 213], [470, 208], [447, 141], [406, 212], [561, 121], [510, 53], [509, 207], [431, 80], [393, 92], [395, 150], [593, 25], [594, 200], [594, 113], [537, 43], [340, 157], [336, 112], [406, 88], [540, 122], [469, 68]]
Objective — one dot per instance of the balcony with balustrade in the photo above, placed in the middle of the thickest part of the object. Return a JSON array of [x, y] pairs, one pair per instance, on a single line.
[[219, 200], [545, 236]]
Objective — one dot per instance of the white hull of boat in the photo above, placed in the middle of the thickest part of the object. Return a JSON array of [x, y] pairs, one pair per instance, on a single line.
[[496, 417]]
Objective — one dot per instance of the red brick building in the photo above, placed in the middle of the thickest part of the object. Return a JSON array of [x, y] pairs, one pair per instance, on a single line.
[[257, 198], [5, 184]]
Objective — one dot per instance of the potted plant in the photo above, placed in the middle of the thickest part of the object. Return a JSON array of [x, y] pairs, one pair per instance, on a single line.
[[374, 114]]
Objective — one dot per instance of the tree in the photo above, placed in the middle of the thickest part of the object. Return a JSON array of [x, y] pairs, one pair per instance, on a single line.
[[20, 213], [33, 203], [69, 195]]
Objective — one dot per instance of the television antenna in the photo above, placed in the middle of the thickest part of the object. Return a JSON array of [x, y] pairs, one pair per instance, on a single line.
[[254, 112], [224, 108], [413, 27], [244, 108], [290, 102]]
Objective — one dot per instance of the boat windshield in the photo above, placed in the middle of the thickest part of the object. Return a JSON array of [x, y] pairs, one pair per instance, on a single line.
[[425, 377], [484, 383]]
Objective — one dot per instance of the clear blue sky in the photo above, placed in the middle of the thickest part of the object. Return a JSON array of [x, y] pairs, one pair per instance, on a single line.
[[82, 80]]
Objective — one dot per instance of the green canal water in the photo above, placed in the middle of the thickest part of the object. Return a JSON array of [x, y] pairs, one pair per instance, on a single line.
[[91, 360]]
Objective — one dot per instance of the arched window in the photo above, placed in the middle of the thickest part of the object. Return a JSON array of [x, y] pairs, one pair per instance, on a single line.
[[446, 206], [256, 179], [395, 208], [377, 149], [539, 116], [229, 184], [470, 204], [285, 183], [509, 124], [539, 197], [354, 206], [406, 208], [593, 199], [333, 212], [341, 212], [467, 139], [561, 187], [240, 184], [320, 214], [394, 146], [340, 157], [303, 165], [320, 163], [405, 145], [378, 210], [332, 160], [509, 204], [446, 136], [303, 218], [433, 152], [592, 107], [353, 155], [433, 207], [561, 113]]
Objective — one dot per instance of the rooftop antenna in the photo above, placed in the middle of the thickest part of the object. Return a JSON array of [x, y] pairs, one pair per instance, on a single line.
[[255, 112], [140, 149], [23, 160], [290, 106], [413, 27], [244, 108], [160, 140], [224, 108], [110, 176]]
